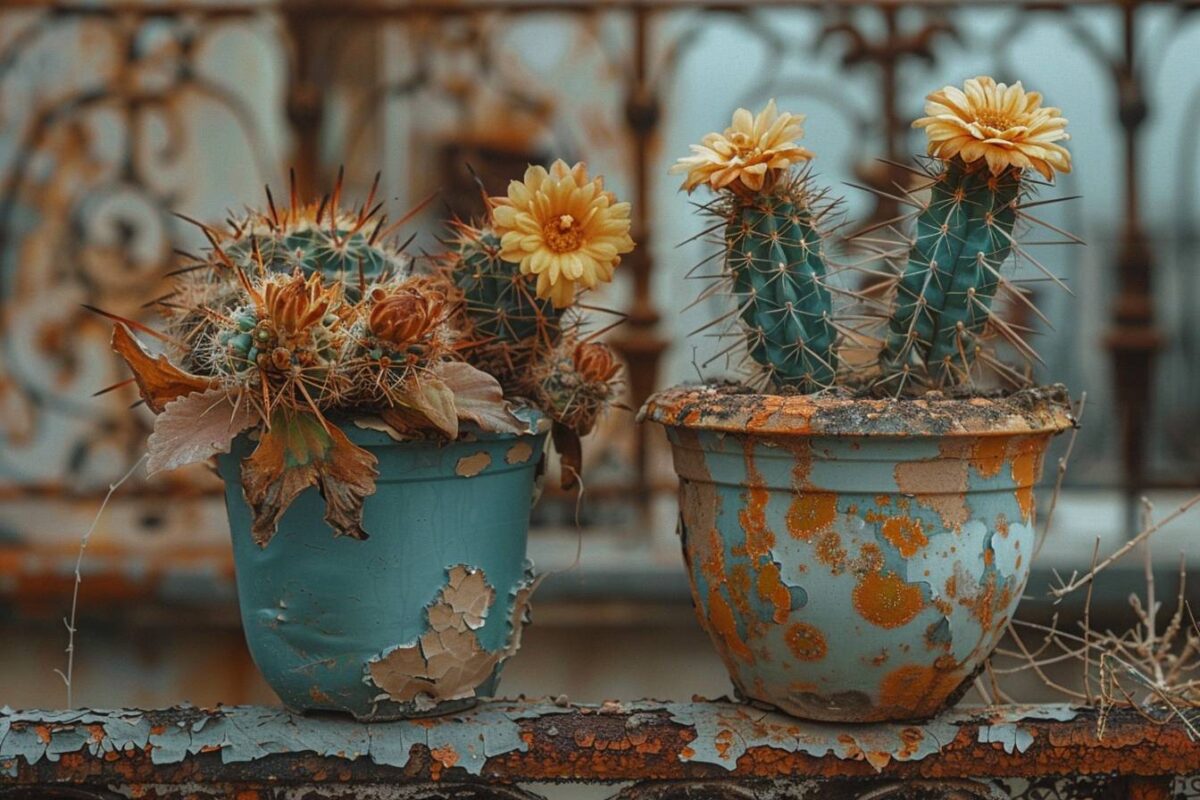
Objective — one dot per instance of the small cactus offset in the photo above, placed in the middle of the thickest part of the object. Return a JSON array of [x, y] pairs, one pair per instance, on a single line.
[[774, 251], [983, 140], [509, 329]]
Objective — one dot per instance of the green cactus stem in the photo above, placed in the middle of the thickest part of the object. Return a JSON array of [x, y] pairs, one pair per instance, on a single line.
[[510, 325], [944, 295], [774, 254]]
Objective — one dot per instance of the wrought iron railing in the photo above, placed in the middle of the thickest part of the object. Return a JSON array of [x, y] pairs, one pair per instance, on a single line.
[[645, 750]]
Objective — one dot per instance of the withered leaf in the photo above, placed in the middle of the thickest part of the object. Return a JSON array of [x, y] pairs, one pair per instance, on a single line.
[[159, 380], [300, 450], [433, 400], [479, 398], [447, 662], [197, 426]]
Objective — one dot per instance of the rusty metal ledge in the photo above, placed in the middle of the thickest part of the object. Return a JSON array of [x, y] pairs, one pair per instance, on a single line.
[[528, 741]]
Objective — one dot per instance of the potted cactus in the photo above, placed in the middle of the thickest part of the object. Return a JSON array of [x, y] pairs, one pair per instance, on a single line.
[[378, 479], [858, 531]]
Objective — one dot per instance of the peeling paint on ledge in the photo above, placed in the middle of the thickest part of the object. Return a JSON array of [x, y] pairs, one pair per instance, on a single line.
[[249, 733], [718, 733], [1015, 734]]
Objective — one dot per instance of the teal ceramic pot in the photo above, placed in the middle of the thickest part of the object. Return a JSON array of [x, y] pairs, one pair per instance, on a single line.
[[414, 620], [856, 560]]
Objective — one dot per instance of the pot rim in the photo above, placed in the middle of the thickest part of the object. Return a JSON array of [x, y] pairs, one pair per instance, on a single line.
[[732, 409]]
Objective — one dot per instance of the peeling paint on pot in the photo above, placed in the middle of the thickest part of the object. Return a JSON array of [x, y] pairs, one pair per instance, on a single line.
[[856, 560], [416, 619]]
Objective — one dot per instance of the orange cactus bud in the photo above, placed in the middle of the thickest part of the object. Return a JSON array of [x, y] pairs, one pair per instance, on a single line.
[[406, 315], [595, 362]]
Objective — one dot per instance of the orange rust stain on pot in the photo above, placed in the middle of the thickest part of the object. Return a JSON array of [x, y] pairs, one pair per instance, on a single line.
[[920, 690], [1025, 466], [987, 455], [811, 513], [772, 590], [829, 551], [738, 584], [886, 600], [806, 642], [905, 534], [753, 517], [720, 618], [951, 586], [712, 561]]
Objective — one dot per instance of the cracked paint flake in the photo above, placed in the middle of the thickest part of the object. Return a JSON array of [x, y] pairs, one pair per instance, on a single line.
[[724, 735], [519, 453], [448, 662], [1014, 736], [472, 465]]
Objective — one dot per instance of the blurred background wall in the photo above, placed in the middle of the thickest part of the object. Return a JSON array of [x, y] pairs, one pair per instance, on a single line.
[[115, 116]]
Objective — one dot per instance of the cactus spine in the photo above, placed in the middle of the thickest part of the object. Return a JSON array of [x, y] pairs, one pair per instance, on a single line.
[[510, 328], [945, 292], [774, 255]]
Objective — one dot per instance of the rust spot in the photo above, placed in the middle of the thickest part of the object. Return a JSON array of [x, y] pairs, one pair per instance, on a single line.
[[831, 553], [772, 590], [470, 466], [806, 642], [712, 561], [918, 690], [319, 696], [987, 455], [753, 518], [951, 586], [446, 755], [886, 600], [519, 453], [720, 618], [1002, 525], [1026, 464], [811, 513], [905, 534], [883, 500]]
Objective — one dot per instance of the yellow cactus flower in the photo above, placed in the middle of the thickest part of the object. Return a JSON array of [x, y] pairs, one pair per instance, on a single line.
[[562, 227], [1003, 125], [749, 154]]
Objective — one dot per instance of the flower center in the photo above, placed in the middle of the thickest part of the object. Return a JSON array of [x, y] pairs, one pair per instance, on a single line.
[[562, 234], [994, 118]]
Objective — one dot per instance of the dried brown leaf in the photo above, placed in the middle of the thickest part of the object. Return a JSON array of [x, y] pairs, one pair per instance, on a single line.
[[479, 398], [196, 427], [301, 450], [159, 380], [432, 400]]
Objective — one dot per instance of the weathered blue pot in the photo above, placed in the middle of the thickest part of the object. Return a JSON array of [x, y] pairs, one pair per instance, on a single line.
[[414, 620], [856, 560]]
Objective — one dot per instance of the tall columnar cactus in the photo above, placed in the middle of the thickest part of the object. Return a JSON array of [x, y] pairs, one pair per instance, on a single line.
[[945, 292], [983, 140], [773, 252], [509, 327], [774, 255]]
